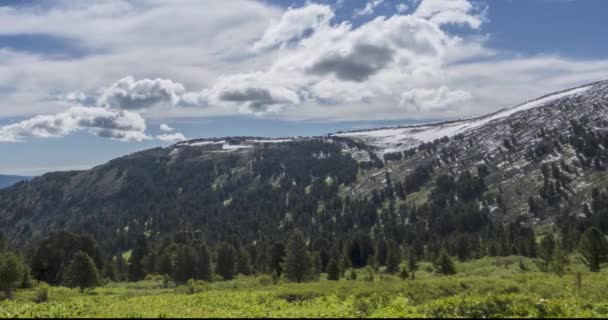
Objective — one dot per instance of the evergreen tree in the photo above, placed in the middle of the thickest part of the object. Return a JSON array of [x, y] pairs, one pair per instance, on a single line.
[[243, 263], [404, 274], [136, 261], [298, 263], [2, 243], [82, 272], [444, 264], [165, 264], [12, 272], [110, 271], [412, 265], [593, 248], [333, 270], [226, 261], [559, 260], [203, 270], [545, 252], [121, 267], [393, 258], [277, 255], [185, 264]]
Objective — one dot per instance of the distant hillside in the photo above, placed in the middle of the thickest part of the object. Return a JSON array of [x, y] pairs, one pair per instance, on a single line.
[[487, 183], [7, 181]]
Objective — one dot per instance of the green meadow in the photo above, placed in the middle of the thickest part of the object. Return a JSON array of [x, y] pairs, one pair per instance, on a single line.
[[489, 287]]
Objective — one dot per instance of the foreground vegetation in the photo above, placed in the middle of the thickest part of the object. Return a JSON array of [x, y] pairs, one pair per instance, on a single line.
[[490, 287]]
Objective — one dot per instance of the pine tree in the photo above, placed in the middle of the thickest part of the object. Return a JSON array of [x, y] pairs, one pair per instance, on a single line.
[[393, 258], [165, 264], [593, 248], [82, 272], [412, 265], [333, 270], [404, 274], [444, 264], [558, 263], [226, 261], [136, 262], [243, 264], [298, 263], [203, 266], [545, 252], [12, 272], [277, 255], [185, 265]]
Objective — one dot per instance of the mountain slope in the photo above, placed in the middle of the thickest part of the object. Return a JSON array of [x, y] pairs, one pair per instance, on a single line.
[[7, 181], [532, 163]]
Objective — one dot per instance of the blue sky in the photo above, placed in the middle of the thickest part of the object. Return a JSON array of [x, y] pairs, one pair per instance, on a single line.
[[83, 82]]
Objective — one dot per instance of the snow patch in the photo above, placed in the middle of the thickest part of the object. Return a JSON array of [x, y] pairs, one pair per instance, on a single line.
[[403, 138]]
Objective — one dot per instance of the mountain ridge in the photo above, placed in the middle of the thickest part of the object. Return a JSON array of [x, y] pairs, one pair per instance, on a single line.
[[532, 166]]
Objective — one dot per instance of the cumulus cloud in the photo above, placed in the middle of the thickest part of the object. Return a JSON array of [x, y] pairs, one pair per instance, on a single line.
[[422, 99], [129, 94], [251, 57], [358, 64], [401, 7], [166, 128], [121, 125], [448, 12], [171, 137], [293, 24], [368, 9]]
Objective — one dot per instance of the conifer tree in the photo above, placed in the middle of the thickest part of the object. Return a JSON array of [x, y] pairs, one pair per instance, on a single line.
[[393, 258], [277, 256], [593, 248], [545, 252], [559, 260], [203, 266], [165, 264], [404, 274], [412, 265], [444, 264], [185, 265], [82, 272], [136, 261], [243, 263], [333, 270], [226, 261], [12, 272], [298, 263]]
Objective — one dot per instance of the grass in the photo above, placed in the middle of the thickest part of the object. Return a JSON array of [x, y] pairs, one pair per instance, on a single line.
[[488, 287]]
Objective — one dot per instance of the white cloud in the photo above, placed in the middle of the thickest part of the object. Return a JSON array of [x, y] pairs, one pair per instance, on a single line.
[[432, 99], [166, 128], [171, 137], [369, 8], [448, 12], [222, 58], [129, 94], [401, 7], [121, 125], [293, 24]]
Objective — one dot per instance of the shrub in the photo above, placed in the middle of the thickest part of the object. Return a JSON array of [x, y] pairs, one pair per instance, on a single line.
[[265, 280], [42, 295], [352, 275]]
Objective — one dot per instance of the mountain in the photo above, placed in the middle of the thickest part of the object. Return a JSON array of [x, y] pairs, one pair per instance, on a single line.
[[7, 181], [541, 163]]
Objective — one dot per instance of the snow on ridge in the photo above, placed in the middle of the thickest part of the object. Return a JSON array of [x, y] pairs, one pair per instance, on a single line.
[[403, 138], [232, 147], [271, 141]]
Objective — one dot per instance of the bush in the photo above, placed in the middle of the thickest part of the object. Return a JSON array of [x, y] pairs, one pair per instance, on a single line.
[[42, 295], [265, 281], [352, 275]]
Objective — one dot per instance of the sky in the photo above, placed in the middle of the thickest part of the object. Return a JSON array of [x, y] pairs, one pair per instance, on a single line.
[[82, 82]]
